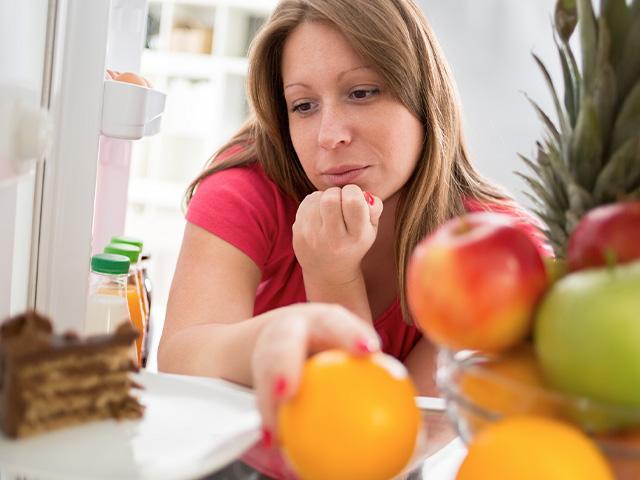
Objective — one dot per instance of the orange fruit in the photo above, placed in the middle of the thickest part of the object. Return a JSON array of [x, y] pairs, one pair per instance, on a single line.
[[509, 384], [352, 417], [130, 77], [533, 448]]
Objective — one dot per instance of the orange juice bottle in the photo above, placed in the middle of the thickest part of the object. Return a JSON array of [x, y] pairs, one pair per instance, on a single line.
[[134, 300], [142, 290]]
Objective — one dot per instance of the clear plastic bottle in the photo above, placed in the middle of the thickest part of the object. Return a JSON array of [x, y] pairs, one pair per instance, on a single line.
[[136, 309], [107, 305]]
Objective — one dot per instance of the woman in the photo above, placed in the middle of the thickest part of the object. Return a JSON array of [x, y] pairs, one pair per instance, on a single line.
[[353, 154]]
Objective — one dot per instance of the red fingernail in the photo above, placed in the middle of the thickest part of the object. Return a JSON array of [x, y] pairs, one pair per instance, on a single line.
[[280, 387], [369, 198], [364, 346], [267, 438]]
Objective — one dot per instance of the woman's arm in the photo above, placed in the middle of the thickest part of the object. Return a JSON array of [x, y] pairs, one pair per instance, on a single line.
[[209, 327], [421, 364], [333, 231], [351, 294]]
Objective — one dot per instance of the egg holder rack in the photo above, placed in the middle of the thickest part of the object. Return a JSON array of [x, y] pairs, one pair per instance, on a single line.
[[131, 111]]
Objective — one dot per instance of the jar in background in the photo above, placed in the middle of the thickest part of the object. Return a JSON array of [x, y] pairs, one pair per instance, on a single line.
[[133, 289]]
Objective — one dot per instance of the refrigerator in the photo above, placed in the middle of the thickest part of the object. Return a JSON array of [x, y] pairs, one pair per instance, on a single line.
[[66, 133]]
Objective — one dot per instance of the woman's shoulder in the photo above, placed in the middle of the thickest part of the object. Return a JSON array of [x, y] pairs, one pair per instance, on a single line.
[[242, 206], [248, 181]]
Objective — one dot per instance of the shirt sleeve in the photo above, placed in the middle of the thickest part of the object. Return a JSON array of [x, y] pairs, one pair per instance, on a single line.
[[237, 205]]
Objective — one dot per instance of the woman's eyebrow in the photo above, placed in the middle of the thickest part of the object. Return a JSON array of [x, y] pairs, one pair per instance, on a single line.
[[340, 75]]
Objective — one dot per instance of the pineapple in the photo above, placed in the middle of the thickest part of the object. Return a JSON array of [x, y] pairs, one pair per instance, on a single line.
[[591, 154]]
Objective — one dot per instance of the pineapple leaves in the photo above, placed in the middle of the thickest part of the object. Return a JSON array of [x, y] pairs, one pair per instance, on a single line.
[[616, 13], [588, 41], [537, 188], [591, 155], [557, 164], [628, 122], [586, 146], [621, 174], [566, 18], [604, 89], [562, 118], [551, 128], [628, 66], [551, 180], [579, 199], [571, 77]]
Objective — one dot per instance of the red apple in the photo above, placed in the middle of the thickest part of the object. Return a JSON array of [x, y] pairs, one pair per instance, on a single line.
[[474, 283], [610, 233]]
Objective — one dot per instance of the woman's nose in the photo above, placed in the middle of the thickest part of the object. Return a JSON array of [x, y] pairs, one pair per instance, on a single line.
[[334, 129]]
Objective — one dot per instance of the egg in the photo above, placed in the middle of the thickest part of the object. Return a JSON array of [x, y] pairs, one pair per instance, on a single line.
[[130, 77]]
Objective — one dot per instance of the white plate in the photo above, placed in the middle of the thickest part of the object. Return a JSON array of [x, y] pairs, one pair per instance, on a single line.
[[191, 427], [444, 464]]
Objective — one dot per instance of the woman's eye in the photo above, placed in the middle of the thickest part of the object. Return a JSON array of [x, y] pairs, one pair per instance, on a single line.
[[304, 107], [363, 93]]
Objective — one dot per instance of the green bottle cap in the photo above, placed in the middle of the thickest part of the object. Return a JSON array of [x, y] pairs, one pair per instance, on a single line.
[[130, 251], [110, 263], [130, 240]]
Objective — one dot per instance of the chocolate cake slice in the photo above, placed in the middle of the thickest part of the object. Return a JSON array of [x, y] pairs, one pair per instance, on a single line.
[[49, 381]]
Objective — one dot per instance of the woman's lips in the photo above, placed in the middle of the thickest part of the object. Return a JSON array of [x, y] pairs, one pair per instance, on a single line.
[[340, 178]]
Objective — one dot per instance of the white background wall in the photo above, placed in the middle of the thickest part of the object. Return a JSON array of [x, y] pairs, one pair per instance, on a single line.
[[488, 44]]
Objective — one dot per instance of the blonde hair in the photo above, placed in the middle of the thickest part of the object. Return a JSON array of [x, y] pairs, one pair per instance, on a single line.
[[394, 37]]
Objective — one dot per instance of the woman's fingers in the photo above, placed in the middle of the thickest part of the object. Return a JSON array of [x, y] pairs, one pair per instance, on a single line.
[[355, 210], [336, 327], [278, 357], [331, 211], [308, 218], [375, 209]]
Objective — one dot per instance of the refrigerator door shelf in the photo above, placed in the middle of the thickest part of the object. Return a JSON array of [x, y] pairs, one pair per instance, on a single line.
[[25, 131], [131, 111]]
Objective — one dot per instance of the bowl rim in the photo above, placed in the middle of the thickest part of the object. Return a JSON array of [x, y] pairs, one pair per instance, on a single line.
[[464, 360], [609, 442]]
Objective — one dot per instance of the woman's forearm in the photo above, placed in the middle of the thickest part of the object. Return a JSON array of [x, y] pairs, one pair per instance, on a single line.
[[351, 295], [213, 350], [421, 364]]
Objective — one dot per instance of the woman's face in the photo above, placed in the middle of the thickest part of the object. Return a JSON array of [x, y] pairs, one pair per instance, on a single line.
[[345, 124]]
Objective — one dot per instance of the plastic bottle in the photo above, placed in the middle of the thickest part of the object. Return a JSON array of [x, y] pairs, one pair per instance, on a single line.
[[107, 305], [145, 293], [133, 288]]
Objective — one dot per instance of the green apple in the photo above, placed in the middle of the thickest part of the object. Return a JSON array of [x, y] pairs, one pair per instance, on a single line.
[[587, 334]]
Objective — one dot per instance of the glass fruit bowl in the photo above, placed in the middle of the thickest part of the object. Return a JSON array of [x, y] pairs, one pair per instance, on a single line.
[[480, 389]]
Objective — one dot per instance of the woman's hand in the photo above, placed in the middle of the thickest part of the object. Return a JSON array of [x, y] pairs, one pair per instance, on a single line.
[[285, 343], [333, 231]]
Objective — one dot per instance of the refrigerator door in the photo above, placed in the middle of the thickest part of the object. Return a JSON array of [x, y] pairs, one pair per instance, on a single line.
[[54, 53], [23, 139], [77, 65], [91, 36]]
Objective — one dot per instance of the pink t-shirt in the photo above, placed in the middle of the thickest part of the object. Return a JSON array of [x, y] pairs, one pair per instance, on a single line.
[[245, 208]]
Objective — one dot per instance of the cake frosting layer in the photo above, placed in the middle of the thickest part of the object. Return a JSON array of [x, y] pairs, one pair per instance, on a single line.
[[50, 381]]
